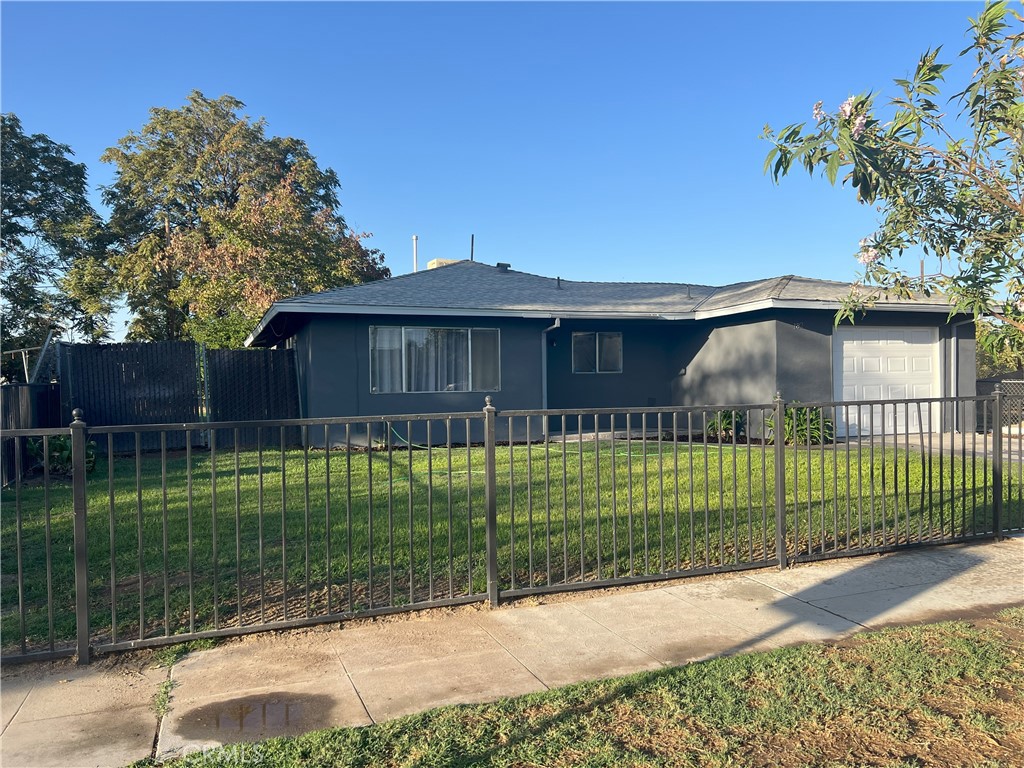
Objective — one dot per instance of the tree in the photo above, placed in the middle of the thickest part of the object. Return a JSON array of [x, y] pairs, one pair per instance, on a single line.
[[48, 228], [998, 353], [950, 187], [213, 221]]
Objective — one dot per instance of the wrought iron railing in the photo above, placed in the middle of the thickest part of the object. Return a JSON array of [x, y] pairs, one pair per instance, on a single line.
[[280, 524]]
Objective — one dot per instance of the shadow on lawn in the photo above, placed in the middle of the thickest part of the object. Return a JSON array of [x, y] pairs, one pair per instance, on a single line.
[[842, 604]]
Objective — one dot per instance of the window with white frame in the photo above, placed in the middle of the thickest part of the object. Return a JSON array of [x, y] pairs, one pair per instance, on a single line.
[[597, 352], [413, 359]]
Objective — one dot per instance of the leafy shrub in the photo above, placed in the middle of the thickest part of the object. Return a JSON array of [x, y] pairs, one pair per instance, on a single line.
[[726, 424], [803, 425], [60, 454]]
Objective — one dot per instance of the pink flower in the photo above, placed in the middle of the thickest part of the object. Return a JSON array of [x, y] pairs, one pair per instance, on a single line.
[[868, 256], [819, 113], [858, 125], [846, 108]]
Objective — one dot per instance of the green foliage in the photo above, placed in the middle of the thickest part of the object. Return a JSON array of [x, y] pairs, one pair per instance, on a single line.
[[212, 221], [803, 425], [59, 449], [954, 196], [49, 228], [162, 697], [1000, 349], [725, 425], [169, 655]]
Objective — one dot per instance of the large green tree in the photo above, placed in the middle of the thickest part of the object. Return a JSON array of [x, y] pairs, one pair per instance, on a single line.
[[213, 221], [48, 228], [945, 173]]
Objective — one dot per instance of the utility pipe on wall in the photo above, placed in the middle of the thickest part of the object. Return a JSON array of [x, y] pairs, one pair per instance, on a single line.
[[544, 362]]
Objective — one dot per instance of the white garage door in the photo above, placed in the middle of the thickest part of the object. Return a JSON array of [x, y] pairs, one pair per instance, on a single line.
[[885, 364]]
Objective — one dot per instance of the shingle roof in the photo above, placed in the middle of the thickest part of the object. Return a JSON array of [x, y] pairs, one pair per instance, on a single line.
[[480, 288], [477, 286]]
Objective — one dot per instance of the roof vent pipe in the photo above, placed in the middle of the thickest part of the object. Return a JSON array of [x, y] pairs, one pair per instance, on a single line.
[[558, 283], [415, 261]]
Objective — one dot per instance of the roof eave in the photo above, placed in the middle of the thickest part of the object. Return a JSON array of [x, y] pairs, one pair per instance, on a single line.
[[568, 314], [834, 305]]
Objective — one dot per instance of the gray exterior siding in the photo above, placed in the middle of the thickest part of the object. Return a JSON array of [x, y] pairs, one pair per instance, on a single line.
[[735, 360], [335, 368], [726, 364], [646, 362]]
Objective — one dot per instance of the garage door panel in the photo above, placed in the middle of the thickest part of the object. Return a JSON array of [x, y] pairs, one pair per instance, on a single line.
[[896, 392], [885, 364]]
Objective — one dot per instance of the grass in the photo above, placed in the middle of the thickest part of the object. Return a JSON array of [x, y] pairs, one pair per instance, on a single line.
[[169, 655], [933, 695], [409, 526], [162, 698]]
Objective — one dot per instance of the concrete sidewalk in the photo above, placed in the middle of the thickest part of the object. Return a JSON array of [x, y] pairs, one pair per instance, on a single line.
[[363, 672]]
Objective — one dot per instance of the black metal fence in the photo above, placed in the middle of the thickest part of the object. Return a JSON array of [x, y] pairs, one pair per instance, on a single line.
[[106, 549]]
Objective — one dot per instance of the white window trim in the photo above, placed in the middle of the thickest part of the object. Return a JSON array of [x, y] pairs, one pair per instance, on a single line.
[[469, 332], [597, 353]]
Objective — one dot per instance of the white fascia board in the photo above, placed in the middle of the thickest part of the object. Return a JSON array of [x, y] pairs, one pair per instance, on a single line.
[[376, 309], [754, 306]]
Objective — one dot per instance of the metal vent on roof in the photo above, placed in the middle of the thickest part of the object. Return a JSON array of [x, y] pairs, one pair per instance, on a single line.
[[503, 266]]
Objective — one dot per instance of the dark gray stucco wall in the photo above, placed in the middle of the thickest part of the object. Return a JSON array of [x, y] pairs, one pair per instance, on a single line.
[[804, 354], [336, 351], [964, 339], [726, 362], [646, 361], [739, 360]]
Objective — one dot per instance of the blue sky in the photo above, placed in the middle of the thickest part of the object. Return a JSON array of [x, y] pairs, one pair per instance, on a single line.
[[594, 141]]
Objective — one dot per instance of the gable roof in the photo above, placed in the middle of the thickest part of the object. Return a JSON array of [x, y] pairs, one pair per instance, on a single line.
[[472, 288]]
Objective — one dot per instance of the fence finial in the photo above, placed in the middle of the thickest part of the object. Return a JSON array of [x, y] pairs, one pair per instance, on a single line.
[[487, 402], [78, 414]]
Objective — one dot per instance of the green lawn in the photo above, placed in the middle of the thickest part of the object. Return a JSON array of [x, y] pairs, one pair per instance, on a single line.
[[672, 507], [935, 695]]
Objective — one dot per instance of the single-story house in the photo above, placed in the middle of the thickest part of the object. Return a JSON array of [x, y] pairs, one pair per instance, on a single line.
[[439, 340]]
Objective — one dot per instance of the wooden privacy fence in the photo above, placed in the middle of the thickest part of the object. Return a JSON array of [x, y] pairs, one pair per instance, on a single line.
[[24, 406], [135, 383], [176, 382]]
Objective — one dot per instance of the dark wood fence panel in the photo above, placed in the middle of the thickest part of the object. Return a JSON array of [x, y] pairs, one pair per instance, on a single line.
[[250, 385], [134, 383], [26, 406]]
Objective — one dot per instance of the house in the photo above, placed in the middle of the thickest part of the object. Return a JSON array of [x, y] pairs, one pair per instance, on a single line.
[[439, 340]]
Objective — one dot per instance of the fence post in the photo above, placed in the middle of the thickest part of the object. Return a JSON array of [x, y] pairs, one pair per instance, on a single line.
[[78, 495], [778, 436], [491, 507], [997, 465]]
